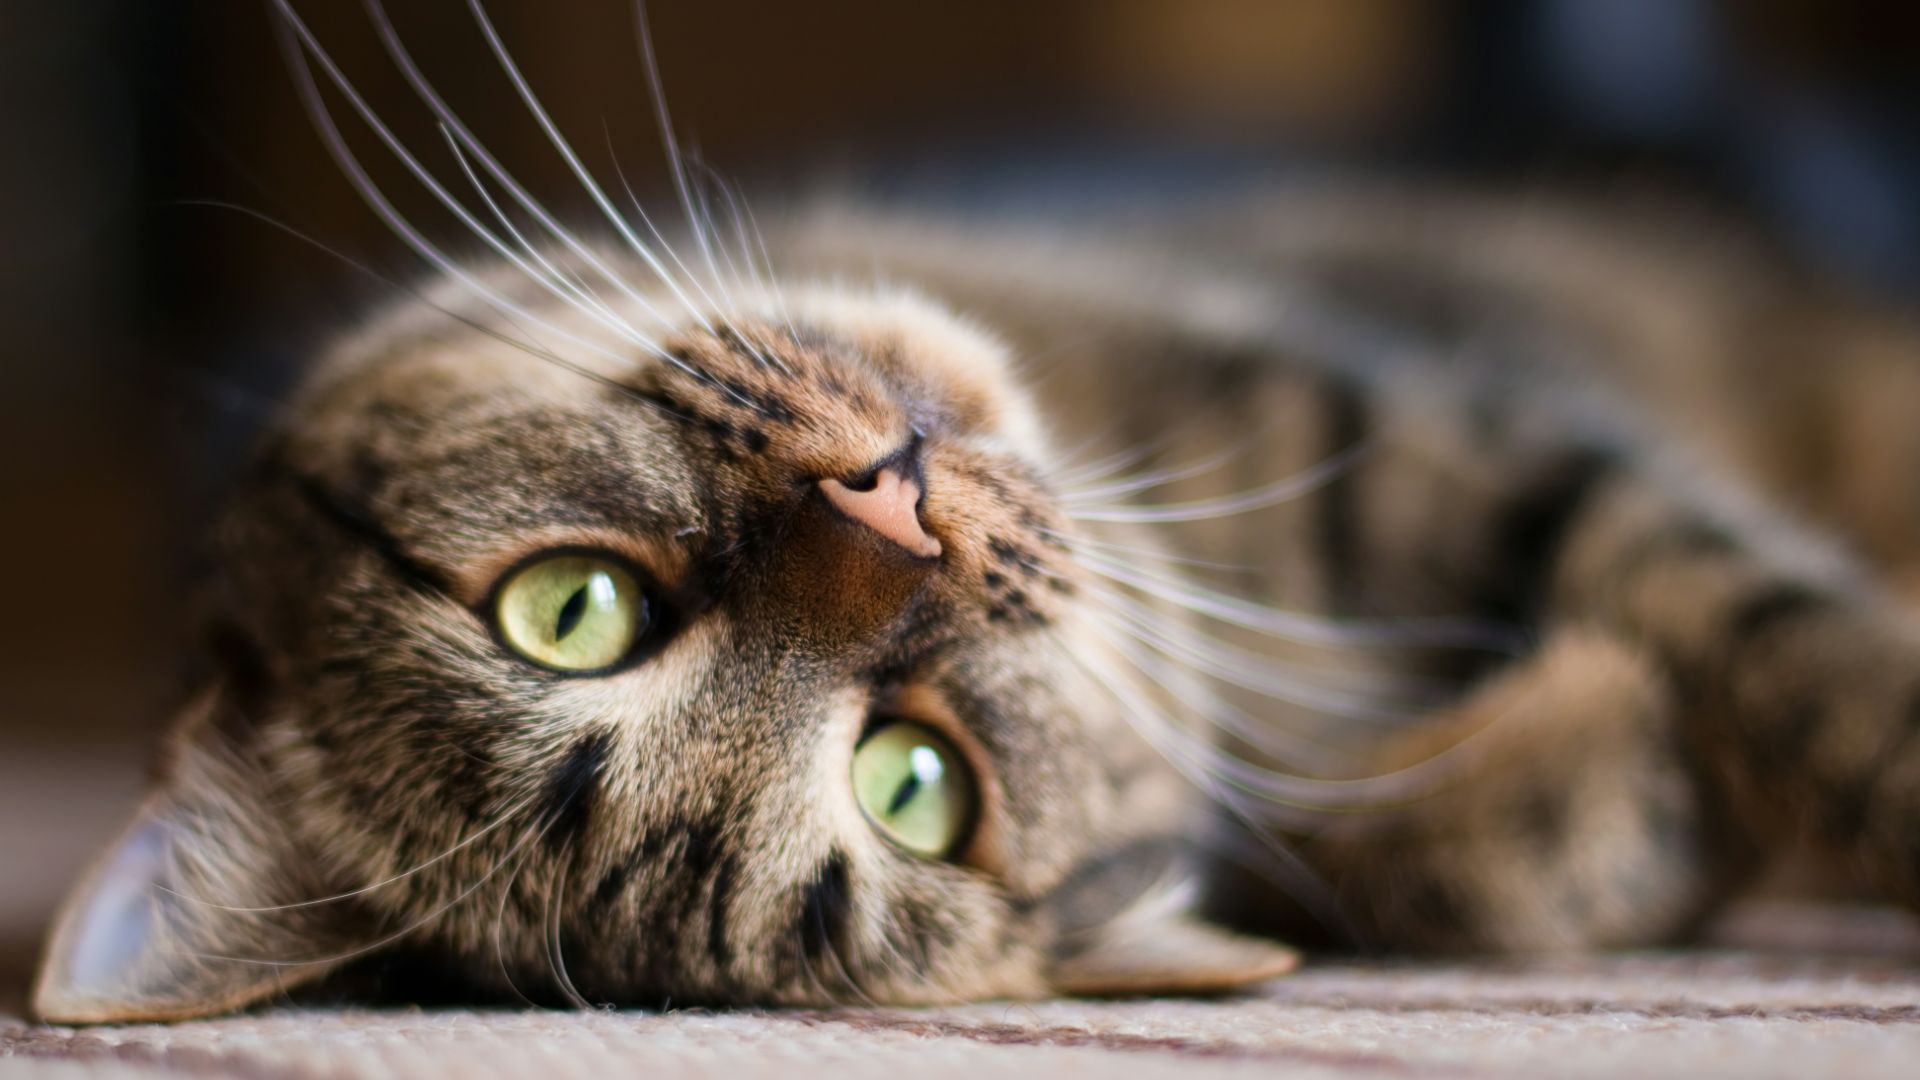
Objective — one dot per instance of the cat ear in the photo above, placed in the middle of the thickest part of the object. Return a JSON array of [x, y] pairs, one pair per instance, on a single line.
[[1172, 954], [192, 911]]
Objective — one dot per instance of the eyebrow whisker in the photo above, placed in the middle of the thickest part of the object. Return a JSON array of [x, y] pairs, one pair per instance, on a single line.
[[300, 43]]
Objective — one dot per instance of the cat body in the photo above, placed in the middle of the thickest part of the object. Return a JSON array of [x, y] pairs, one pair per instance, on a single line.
[[1531, 571], [1680, 464]]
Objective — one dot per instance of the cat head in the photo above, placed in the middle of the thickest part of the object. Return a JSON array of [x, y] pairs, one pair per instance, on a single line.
[[745, 665]]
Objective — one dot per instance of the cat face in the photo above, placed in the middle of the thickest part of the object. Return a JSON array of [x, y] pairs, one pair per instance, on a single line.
[[750, 670]]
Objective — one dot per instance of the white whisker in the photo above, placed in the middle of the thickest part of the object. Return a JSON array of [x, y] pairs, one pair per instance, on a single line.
[[556, 954], [1260, 498], [1099, 469], [505, 816], [668, 143], [1279, 798], [400, 934], [499, 929], [1192, 758], [1256, 816], [530, 348], [1076, 541], [761, 289], [450, 121], [370, 192], [1148, 481], [703, 208], [653, 230], [580, 171], [762, 352], [1383, 699], [1298, 627], [1262, 734], [751, 240], [583, 295]]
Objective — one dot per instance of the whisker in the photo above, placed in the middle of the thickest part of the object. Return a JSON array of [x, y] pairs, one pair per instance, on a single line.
[[750, 281], [1075, 540], [751, 240], [668, 143], [702, 231], [1313, 893], [1207, 705], [556, 954], [762, 352], [580, 171], [1069, 479], [1302, 628], [1207, 763], [360, 266], [846, 975], [1280, 797], [1262, 735], [1249, 671], [519, 846], [1148, 481], [582, 294], [1116, 462], [499, 928], [1273, 494], [1197, 761], [1259, 851], [424, 90], [1414, 690], [805, 968], [653, 230], [370, 192], [505, 816], [703, 207]]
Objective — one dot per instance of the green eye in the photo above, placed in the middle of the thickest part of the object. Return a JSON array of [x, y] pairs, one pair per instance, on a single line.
[[571, 612], [915, 787]]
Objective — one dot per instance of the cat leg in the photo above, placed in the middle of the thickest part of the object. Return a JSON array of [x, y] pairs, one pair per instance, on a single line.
[[1798, 675], [1570, 816], [1759, 694], [1711, 687]]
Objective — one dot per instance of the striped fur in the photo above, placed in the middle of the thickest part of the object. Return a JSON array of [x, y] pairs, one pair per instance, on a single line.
[[1609, 542]]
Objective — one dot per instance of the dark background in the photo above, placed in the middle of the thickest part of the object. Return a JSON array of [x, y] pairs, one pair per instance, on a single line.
[[147, 334]]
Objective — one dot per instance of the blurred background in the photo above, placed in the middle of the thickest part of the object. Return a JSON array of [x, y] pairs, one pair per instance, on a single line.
[[150, 315]]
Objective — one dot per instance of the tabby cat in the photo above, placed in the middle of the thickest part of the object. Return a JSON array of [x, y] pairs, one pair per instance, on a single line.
[[608, 623]]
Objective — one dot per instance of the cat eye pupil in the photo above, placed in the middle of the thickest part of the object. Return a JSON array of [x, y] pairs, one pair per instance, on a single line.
[[901, 797], [924, 764], [573, 612]]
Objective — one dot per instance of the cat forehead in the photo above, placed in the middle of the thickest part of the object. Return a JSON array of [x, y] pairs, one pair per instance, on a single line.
[[443, 349], [442, 408]]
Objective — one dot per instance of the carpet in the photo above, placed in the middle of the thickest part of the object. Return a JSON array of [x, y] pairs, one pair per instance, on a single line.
[[1781, 991], [1778, 990]]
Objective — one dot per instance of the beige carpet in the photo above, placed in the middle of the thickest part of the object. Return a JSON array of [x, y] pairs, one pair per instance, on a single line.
[[1784, 991], [1787, 992]]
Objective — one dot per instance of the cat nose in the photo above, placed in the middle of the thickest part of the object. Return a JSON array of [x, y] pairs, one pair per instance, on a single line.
[[887, 501]]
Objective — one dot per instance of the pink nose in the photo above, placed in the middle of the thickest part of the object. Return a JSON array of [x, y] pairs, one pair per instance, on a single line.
[[891, 507]]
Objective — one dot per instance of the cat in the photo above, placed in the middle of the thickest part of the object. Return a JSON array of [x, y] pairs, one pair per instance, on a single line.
[[1055, 615]]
